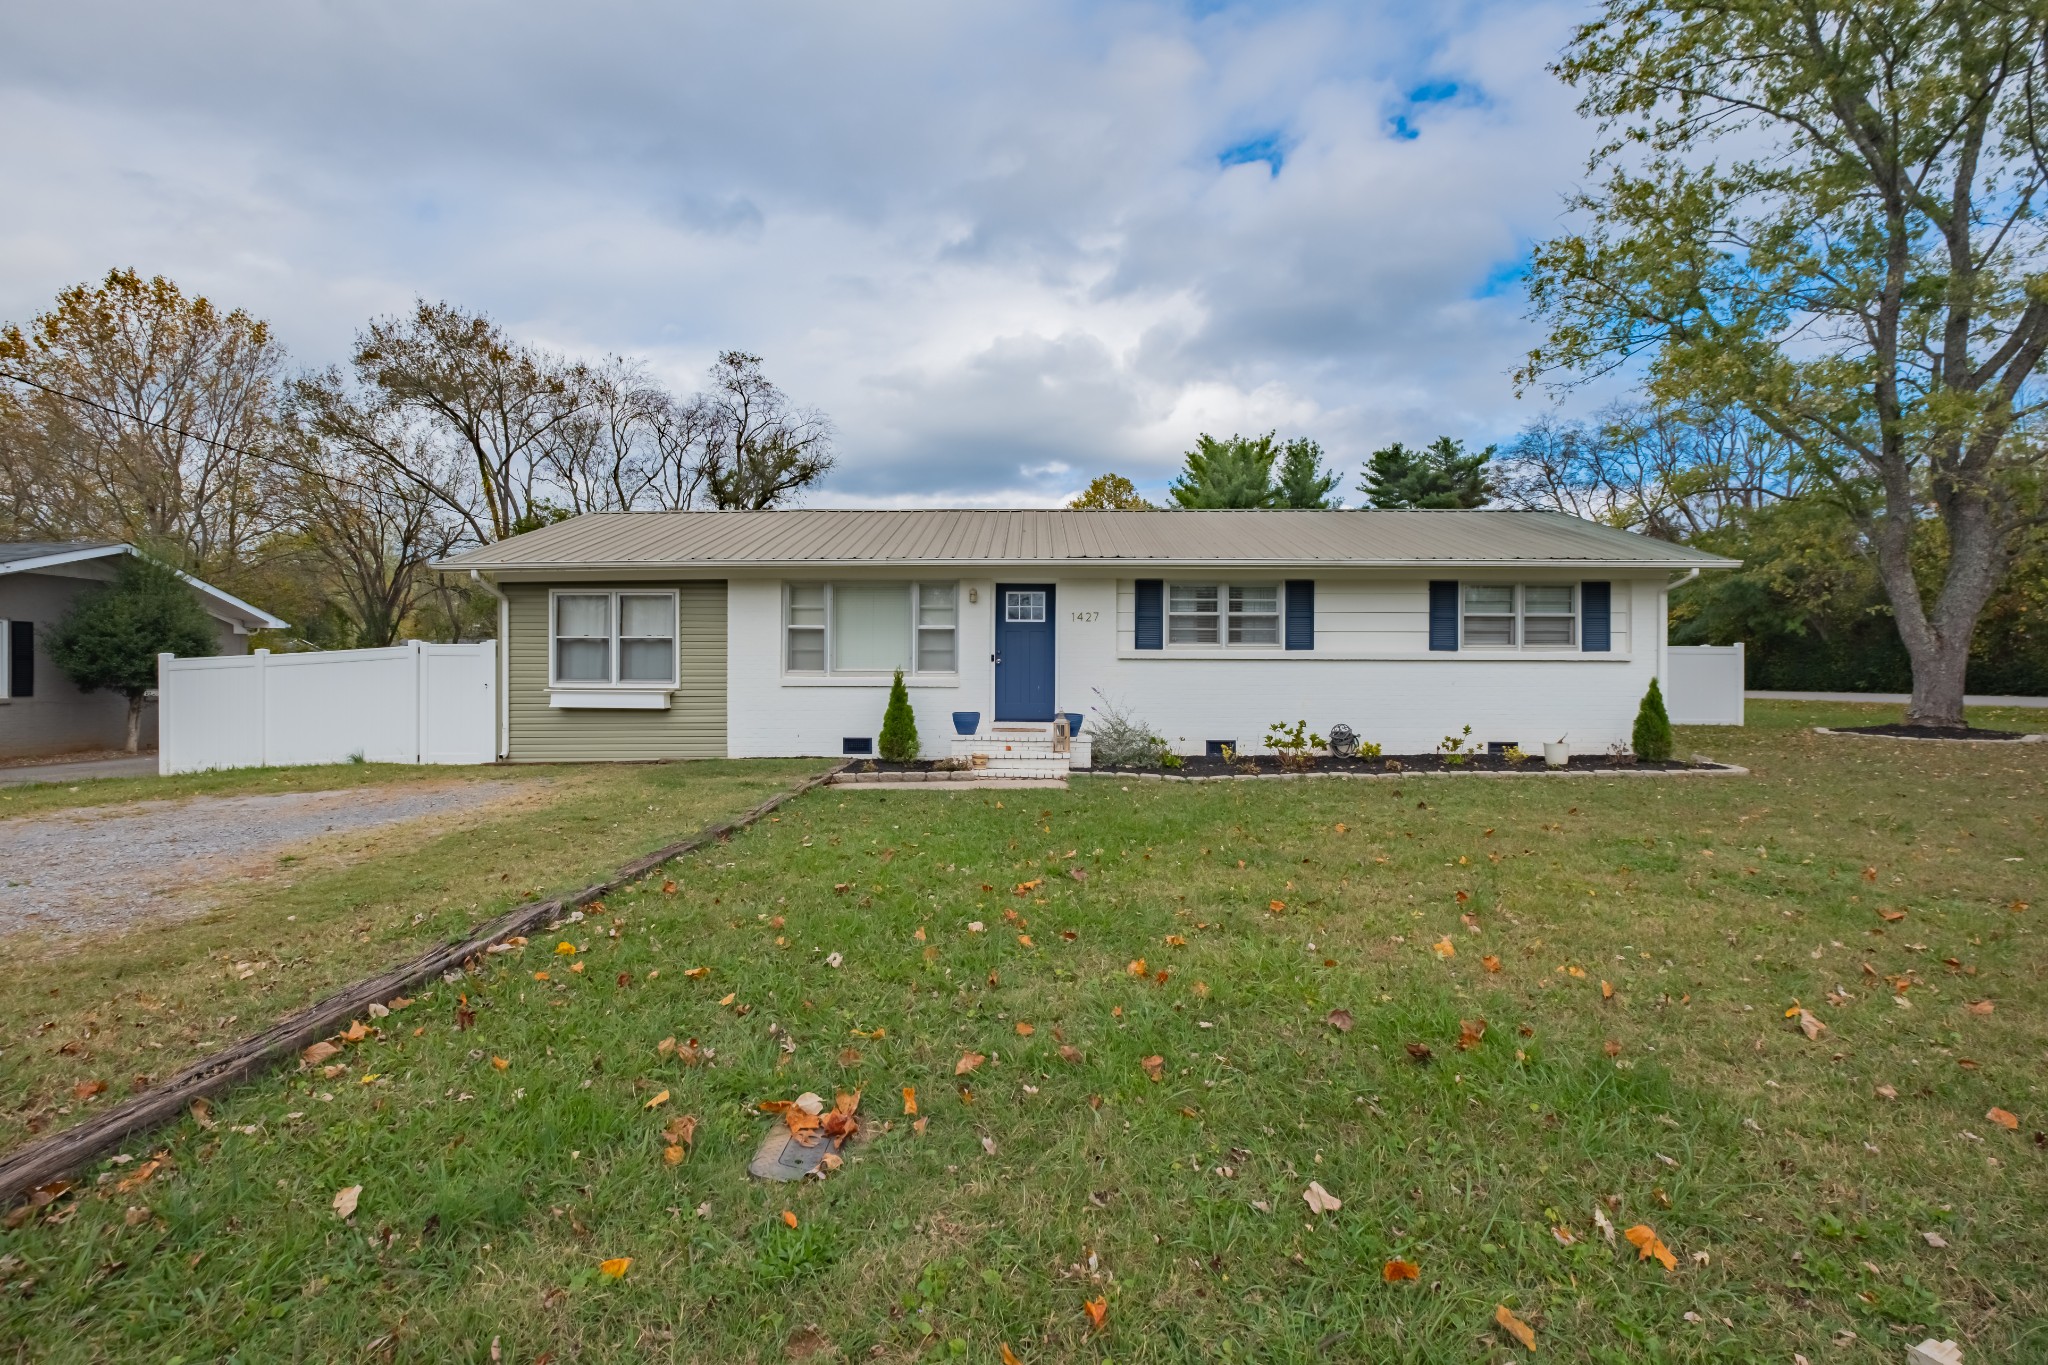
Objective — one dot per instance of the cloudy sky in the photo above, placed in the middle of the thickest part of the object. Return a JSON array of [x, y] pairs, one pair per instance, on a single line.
[[1006, 244]]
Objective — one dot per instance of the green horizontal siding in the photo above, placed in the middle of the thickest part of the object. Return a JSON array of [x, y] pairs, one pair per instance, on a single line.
[[692, 727]]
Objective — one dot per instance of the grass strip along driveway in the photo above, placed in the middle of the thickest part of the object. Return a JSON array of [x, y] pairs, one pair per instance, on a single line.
[[96, 1018], [1491, 1019]]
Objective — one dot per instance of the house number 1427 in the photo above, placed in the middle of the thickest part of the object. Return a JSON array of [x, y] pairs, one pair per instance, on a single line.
[[1086, 615]]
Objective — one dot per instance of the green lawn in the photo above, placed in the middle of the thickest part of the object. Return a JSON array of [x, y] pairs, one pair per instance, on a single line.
[[1795, 1197]]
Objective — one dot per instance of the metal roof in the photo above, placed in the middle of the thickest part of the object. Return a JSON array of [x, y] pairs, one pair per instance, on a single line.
[[640, 541], [28, 556]]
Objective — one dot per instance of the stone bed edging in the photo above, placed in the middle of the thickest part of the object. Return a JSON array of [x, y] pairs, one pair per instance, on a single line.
[[1717, 770]]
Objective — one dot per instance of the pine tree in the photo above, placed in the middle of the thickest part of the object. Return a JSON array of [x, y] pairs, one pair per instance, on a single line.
[[1304, 484], [1440, 475], [1233, 473], [899, 742], [111, 637], [1652, 740]]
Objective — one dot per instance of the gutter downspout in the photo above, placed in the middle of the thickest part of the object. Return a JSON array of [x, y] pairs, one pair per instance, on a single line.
[[504, 745], [1664, 631]]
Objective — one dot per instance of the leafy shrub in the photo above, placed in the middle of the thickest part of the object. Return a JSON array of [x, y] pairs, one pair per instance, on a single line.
[[899, 743], [1124, 741], [1652, 739], [1452, 747], [1294, 744]]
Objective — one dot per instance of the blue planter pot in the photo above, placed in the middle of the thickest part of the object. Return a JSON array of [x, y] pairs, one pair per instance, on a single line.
[[966, 722], [1074, 719]]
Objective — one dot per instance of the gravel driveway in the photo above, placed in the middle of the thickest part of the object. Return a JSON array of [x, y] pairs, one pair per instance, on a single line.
[[107, 867]]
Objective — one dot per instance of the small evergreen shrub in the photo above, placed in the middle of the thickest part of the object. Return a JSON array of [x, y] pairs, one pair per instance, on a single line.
[[1652, 738], [1124, 741], [898, 742]]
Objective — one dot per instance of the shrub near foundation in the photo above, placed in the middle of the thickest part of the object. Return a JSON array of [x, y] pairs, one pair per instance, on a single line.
[[1652, 740], [899, 725]]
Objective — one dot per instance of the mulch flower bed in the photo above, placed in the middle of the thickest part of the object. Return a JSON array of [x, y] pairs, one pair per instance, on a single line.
[[1268, 765], [1926, 732]]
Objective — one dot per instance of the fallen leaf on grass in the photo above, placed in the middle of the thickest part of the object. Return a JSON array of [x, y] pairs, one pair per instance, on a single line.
[[1891, 916], [1611, 1048], [345, 1201], [565, 949], [1470, 1031], [1564, 1235], [1600, 1222], [85, 1090], [849, 1056], [1155, 1067], [1320, 1200], [657, 1101], [1935, 1240], [1444, 948], [668, 888], [988, 1144], [1010, 1356], [500, 1063], [319, 1052], [202, 1113], [615, 1268], [1606, 990], [1647, 1246], [1490, 962], [1398, 1269], [1024, 1030], [788, 1218], [1419, 1051], [2002, 1118], [1097, 1310], [910, 1099], [1339, 1020], [1070, 1054], [1273, 907], [1810, 1025], [1515, 1327], [967, 1063], [1136, 967], [696, 973], [1980, 1007]]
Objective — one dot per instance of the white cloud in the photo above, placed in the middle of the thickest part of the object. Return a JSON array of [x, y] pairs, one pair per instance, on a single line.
[[994, 241]]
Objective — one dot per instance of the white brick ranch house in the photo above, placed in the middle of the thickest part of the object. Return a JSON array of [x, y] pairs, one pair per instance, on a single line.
[[760, 634]]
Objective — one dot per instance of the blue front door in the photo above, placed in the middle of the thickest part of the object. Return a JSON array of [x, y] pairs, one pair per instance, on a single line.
[[1023, 651]]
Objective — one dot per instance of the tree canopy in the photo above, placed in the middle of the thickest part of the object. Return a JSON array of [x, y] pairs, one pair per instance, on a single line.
[[1826, 213], [1109, 493], [113, 633], [1439, 475], [1239, 472]]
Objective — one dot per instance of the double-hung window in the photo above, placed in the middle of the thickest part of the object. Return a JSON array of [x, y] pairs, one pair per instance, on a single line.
[[1246, 614], [1531, 616], [863, 629], [614, 639]]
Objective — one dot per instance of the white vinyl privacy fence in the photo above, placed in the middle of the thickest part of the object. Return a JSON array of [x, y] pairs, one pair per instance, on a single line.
[[1703, 684], [412, 703]]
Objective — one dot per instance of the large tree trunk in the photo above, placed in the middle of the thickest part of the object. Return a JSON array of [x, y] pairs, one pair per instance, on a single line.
[[1938, 642], [134, 721]]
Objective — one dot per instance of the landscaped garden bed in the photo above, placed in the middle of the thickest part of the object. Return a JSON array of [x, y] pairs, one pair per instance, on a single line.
[[1391, 765]]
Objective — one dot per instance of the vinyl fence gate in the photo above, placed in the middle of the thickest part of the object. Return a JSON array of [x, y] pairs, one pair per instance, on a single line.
[[411, 703], [1704, 684]]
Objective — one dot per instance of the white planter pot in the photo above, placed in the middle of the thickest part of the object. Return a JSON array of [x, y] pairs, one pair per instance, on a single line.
[[1557, 754]]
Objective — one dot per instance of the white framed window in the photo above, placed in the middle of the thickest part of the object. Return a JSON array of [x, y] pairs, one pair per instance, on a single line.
[[623, 639], [872, 629], [1027, 605], [1245, 615], [1550, 615], [1524, 616]]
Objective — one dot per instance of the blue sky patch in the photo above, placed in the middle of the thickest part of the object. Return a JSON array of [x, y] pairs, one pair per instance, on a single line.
[[1503, 277], [1436, 92], [1401, 128], [1267, 149]]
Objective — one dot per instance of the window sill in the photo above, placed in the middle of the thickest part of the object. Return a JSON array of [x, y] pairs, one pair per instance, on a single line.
[[609, 698], [951, 680]]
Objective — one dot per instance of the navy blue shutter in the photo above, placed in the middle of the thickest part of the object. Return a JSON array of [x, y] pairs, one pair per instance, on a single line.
[[21, 659], [1443, 615], [1150, 621], [1301, 613], [1596, 613]]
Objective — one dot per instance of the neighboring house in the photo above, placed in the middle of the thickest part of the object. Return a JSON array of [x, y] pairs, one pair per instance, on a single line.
[[745, 634], [40, 711]]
